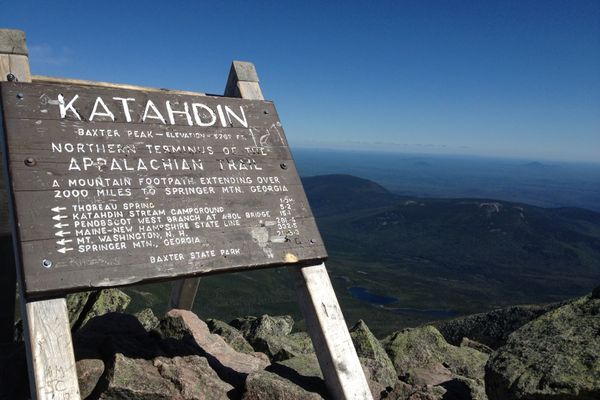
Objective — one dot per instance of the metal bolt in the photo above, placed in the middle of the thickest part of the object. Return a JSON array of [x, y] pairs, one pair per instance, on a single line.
[[266, 111], [30, 161], [11, 78], [312, 241], [46, 263], [20, 96], [283, 165]]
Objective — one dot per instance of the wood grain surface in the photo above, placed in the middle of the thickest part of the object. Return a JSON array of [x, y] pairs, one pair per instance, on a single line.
[[106, 196]]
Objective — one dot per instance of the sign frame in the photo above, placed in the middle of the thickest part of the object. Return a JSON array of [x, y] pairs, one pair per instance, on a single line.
[[119, 199], [48, 342]]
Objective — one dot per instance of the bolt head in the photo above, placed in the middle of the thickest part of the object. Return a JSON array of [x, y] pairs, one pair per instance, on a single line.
[[11, 78], [46, 263]]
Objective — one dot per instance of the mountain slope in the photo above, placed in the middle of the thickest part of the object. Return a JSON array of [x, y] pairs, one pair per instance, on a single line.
[[464, 255], [338, 194]]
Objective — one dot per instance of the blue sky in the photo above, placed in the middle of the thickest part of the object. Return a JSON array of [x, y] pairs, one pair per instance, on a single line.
[[503, 78]]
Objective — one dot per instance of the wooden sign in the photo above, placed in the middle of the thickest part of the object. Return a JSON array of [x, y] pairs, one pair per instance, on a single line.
[[111, 186]]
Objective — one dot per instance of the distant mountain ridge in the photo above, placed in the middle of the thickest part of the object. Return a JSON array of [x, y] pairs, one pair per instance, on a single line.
[[338, 193]]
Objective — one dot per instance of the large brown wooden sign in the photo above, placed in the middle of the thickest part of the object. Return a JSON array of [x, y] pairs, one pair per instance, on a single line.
[[111, 187]]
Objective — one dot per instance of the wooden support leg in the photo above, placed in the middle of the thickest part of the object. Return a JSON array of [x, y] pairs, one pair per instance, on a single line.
[[325, 323], [50, 358], [183, 293]]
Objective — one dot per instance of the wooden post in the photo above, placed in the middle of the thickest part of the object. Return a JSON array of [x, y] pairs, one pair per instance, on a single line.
[[333, 345], [48, 342], [243, 83], [14, 64]]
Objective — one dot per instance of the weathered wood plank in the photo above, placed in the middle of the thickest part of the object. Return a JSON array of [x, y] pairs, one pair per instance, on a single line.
[[42, 102], [325, 323], [12, 41], [48, 335], [147, 200], [14, 63], [84, 82]]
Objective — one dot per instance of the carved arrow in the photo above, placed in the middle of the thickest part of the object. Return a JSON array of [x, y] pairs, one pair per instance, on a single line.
[[58, 209], [64, 249], [60, 225], [62, 242], [62, 233], [59, 217]]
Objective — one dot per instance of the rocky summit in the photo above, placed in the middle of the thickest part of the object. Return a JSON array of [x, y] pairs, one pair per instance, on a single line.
[[534, 352], [556, 356]]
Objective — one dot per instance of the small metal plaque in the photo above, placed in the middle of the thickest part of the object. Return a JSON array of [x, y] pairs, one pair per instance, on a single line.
[[111, 187]]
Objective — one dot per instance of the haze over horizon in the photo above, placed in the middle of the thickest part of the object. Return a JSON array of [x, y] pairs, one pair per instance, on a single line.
[[497, 78]]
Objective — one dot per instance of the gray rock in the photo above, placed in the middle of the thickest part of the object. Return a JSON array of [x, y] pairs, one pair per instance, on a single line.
[[231, 335], [264, 325], [147, 318], [492, 328], [556, 356], [180, 378], [372, 355], [193, 377], [231, 366], [84, 306], [112, 333], [404, 391], [272, 336], [305, 371], [263, 385], [466, 342], [89, 372], [425, 346], [138, 379], [422, 357]]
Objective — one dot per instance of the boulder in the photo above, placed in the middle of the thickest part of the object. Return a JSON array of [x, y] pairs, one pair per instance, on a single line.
[[193, 377], [231, 365], [305, 371], [372, 355], [425, 348], [454, 389], [136, 378], [272, 336], [84, 306], [147, 318], [466, 342], [231, 335], [264, 325], [180, 378], [555, 356], [404, 391], [89, 372], [491, 328], [263, 385], [104, 336]]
